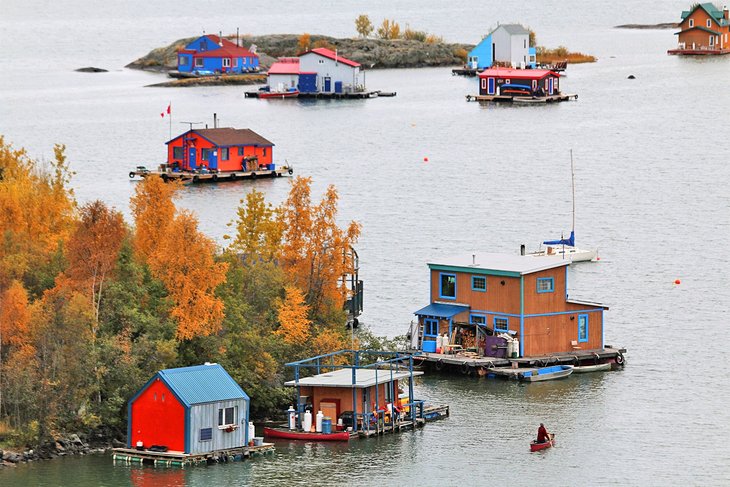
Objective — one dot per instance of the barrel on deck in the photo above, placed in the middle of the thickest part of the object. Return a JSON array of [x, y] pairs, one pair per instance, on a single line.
[[326, 425]]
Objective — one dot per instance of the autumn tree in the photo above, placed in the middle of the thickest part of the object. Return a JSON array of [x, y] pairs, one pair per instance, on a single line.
[[294, 326], [183, 259], [258, 229], [314, 248], [389, 29], [363, 26], [304, 42], [14, 322], [153, 209]]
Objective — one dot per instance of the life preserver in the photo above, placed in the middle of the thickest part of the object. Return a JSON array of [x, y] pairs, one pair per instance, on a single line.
[[215, 177], [131, 175], [620, 359], [464, 368], [291, 171], [439, 364]]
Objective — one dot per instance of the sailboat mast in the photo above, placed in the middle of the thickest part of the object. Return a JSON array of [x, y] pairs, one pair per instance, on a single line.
[[572, 178]]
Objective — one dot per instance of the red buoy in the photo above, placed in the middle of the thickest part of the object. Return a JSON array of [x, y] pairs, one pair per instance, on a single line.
[[677, 281], [425, 159]]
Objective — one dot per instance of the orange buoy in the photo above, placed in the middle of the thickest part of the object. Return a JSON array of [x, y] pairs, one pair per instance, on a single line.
[[677, 281]]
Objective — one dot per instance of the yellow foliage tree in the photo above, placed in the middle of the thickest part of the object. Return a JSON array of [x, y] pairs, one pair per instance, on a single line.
[[258, 229], [183, 259], [363, 26], [294, 326], [389, 29], [153, 209]]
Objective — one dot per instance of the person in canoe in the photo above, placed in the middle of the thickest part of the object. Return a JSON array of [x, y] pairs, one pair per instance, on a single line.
[[542, 434]]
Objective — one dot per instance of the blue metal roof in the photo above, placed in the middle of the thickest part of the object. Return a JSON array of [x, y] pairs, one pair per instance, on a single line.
[[202, 383], [441, 310]]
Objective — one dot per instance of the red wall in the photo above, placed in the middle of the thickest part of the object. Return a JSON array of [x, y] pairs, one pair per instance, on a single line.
[[233, 163], [158, 418]]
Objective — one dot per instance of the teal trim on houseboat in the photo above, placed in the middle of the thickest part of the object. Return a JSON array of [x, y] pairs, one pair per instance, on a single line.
[[488, 272], [522, 316]]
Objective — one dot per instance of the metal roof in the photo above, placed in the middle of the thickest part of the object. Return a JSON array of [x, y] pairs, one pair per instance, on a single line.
[[514, 29], [226, 136], [517, 73], [486, 263], [329, 53], [285, 67], [201, 384], [343, 378], [442, 310]]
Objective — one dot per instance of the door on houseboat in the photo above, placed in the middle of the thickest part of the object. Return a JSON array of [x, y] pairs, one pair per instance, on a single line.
[[327, 84], [490, 86], [192, 161], [430, 333], [550, 86], [213, 159]]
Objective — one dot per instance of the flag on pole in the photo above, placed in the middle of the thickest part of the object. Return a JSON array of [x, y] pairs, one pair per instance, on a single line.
[[168, 111]]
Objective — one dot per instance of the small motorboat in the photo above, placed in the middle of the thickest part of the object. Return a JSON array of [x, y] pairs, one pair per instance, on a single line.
[[287, 434], [279, 94], [583, 369], [546, 373], [535, 446]]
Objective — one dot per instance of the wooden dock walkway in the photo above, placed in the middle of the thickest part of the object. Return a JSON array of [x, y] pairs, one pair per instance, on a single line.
[[359, 95], [468, 363], [180, 459], [430, 413], [522, 99]]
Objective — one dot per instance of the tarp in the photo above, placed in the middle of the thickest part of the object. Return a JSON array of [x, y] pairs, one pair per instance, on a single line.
[[440, 310], [563, 241]]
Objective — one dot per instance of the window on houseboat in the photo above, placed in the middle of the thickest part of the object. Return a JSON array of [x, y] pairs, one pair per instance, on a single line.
[[205, 154], [478, 283], [224, 154], [582, 328], [264, 151], [183, 60], [226, 62], [478, 319], [206, 434], [235, 62], [227, 416], [691, 22], [448, 286], [430, 327], [709, 23], [545, 285], [177, 152], [501, 323], [240, 151], [199, 62]]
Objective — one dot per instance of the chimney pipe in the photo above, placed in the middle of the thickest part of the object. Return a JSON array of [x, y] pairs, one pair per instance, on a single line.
[[522, 249], [473, 259], [220, 38], [215, 120]]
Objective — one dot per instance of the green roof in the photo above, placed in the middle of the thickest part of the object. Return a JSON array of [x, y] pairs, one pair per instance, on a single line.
[[708, 7]]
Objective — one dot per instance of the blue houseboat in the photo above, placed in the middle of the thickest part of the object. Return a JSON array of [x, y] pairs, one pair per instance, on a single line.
[[211, 54]]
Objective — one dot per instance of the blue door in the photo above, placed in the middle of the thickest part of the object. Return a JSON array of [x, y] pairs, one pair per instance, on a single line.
[[327, 85], [192, 162], [550, 86], [213, 159], [582, 328], [490, 86]]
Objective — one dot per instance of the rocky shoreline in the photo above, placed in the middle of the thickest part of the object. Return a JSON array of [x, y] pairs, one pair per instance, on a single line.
[[60, 447], [371, 53]]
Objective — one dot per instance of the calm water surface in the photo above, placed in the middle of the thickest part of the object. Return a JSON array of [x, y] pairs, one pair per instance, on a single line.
[[652, 169]]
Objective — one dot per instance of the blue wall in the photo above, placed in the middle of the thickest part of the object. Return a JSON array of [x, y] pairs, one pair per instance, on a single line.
[[214, 64], [483, 53]]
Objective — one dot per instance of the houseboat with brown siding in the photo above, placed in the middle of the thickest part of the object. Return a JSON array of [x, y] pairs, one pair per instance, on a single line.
[[705, 30], [491, 310]]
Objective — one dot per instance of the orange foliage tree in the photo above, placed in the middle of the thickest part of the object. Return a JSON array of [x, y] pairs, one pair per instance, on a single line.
[[294, 326], [153, 210], [314, 248], [183, 260], [258, 229], [304, 42], [94, 248], [14, 322]]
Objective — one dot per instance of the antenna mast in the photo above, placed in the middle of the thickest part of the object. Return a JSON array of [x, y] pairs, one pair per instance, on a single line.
[[572, 178]]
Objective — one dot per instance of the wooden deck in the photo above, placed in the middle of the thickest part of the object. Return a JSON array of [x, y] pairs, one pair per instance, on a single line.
[[188, 177], [430, 413], [180, 459], [336, 96], [521, 99], [468, 363], [698, 52]]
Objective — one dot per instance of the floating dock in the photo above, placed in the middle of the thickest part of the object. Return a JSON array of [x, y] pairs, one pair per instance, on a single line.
[[698, 52], [522, 99], [471, 72], [180, 459], [469, 363], [188, 177], [337, 96]]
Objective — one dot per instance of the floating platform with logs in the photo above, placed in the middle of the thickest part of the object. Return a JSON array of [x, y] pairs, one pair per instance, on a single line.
[[180, 459], [469, 363], [337, 96], [188, 177], [522, 99], [698, 52]]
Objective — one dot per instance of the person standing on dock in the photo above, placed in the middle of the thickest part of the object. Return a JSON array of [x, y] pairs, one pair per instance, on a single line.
[[542, 434]]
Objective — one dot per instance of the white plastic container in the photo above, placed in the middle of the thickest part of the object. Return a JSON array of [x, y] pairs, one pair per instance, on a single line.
[[307, 421], [318, 422], [515, 348], [292, 418], [251, 431]]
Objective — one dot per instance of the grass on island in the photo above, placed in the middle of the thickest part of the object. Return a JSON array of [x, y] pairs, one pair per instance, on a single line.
[[561, 53]]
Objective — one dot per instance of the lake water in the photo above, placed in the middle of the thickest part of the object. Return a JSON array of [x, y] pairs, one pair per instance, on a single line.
[[652, 169]]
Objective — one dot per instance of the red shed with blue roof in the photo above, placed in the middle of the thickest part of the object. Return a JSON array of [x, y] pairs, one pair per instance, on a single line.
[[193, 410]]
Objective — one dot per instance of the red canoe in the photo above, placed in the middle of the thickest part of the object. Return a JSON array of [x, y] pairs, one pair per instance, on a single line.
[[535, 446], [278, 94], [303, 435]]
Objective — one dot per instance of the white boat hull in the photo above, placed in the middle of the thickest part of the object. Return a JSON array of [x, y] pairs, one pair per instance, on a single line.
[[583, 369], [573, 254]]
